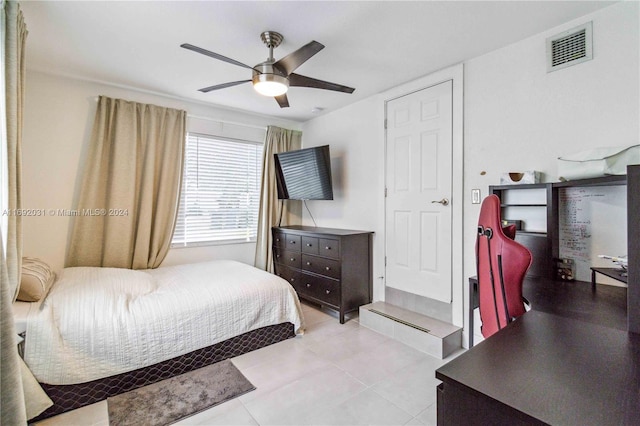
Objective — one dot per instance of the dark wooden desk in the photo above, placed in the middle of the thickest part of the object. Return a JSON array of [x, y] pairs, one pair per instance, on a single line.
[[571, 299], [615, 273], [544, 369]]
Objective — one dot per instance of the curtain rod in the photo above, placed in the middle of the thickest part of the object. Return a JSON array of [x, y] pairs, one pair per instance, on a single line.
[[200, 117]]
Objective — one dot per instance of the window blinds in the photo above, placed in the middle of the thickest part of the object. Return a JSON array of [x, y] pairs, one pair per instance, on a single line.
[[220, 191]]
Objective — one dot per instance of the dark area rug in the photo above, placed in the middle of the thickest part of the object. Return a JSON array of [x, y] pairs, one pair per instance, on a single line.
[[182, 396]]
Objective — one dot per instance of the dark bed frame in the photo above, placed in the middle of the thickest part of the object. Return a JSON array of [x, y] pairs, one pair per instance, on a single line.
[[70, 397]]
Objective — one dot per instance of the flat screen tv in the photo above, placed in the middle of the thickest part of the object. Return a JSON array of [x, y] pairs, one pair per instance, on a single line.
[[304, 174]]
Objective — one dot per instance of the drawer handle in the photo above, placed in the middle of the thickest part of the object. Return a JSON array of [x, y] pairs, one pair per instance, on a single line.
[[327, 248], [308, 263], [293, 259], [328, 291], [292, 242], [308, 285], [309, 244], [278, 256], [327, 268], [278, 239], [292, 279]]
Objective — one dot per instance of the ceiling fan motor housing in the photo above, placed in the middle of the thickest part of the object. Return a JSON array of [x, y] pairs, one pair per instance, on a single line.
[[270, 77]]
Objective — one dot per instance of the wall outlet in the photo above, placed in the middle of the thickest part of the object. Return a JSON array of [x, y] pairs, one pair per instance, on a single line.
[[475, 196]]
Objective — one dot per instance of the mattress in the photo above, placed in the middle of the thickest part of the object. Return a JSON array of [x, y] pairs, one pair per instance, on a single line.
[[100, 322]]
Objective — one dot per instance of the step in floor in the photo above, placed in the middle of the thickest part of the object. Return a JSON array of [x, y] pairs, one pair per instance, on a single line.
[[432, 336]]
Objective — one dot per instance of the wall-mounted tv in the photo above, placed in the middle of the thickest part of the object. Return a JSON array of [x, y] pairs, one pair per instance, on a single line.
[[304, 174]]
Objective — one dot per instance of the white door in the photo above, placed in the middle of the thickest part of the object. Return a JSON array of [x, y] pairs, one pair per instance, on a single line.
[[419, 184]]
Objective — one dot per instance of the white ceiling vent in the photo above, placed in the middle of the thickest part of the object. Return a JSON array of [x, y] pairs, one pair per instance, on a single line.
[[570, 47]]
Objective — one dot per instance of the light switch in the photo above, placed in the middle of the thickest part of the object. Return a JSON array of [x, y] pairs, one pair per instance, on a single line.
[[475, 196]]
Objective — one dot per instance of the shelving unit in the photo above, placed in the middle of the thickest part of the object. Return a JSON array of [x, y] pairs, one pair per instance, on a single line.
[[530, 203], [543, 241]]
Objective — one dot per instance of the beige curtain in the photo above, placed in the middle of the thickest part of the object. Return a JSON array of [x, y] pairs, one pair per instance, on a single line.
[[15, 37], [129, 196], [13, 408], [21, 397], [272, 209]]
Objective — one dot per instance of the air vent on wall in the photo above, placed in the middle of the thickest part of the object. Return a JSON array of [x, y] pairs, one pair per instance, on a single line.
[[570, 47]]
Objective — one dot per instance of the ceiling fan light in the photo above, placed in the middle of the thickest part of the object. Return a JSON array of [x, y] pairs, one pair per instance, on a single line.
[[270, 84]]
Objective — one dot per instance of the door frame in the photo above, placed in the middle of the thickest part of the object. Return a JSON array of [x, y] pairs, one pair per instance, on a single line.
[[454, 73]]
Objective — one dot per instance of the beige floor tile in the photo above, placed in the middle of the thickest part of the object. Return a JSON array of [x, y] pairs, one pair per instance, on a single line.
[[291, 366], [412, 388], [365, 408], [90, 415], [304, 398], [429, 416], [230, 413]]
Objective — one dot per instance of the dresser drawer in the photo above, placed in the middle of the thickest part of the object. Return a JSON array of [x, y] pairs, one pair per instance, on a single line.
[[324, 289], [310, 245], [321, 266], [292, 242], [290, 275], [279, 240], [287, 257], [329, 248]]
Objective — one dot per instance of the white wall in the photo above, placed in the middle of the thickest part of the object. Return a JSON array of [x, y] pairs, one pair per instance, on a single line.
[[516, 117], [356, 139], [58, 118]]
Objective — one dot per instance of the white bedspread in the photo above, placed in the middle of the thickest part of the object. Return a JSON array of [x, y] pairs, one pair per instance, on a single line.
[[97, 322]]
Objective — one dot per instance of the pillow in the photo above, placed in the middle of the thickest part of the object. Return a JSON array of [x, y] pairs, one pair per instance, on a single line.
[[37, 278]]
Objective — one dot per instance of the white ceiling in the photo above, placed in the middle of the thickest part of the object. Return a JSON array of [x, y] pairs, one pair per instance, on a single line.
[[372, 46]]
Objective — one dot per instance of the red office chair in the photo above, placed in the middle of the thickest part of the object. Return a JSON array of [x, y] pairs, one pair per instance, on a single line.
[[501, 266]]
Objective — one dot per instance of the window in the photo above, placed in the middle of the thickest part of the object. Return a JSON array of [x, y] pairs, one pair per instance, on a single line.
[[220, 191]]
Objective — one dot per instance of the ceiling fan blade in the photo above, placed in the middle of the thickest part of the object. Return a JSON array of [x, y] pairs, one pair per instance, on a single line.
[[282, 100], [214, 55], [302, 81], [222, 86], [293, 60]]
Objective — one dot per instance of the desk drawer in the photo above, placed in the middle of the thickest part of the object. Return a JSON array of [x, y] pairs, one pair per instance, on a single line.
[[321, 266], [324, 289]]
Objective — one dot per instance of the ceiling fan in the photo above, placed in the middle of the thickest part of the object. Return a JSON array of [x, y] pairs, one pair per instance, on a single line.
[[271, 77]]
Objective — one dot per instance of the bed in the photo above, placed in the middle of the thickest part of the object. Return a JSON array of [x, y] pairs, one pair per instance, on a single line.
[[104, 331]]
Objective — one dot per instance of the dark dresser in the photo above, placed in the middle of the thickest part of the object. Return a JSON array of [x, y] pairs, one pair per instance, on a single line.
[[331, 267]]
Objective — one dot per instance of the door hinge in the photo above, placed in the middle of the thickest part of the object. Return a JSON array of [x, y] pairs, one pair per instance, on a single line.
[[385, 193], [385, 261], [385, 123]]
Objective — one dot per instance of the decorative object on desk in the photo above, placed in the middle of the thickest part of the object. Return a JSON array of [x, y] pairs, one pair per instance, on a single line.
[[621, 261], [516, 223], [518, 178], [566, 269], [170, 400], [598, 162]]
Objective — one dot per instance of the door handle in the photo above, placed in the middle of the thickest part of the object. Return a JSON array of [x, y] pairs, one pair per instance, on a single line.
[[444, 202]]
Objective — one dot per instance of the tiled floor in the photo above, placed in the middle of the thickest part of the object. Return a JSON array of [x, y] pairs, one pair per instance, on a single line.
[[333, 375]]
